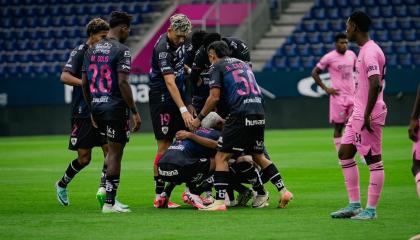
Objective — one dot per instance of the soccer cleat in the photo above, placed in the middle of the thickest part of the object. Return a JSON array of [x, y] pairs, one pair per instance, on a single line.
[[160, 202], [100, 196], [108, 208], [244, 197], [121, 205], [218, 205], [261, 201], [285, 198], [416, 237], [208, 199], [62, 195], [194, 200], [173, 205], [185, 198], [366, 214], [231, 203], [351, 210]]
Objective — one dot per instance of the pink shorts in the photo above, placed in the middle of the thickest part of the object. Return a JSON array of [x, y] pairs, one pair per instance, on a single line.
[[341, 108], [416, 147], [363, 139]]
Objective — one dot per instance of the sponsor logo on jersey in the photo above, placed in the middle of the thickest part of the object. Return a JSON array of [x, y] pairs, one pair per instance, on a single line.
[[163, 55], [168, 173], [127, 54], [102, 99], [73, 53], [254, 122], [177, 147]]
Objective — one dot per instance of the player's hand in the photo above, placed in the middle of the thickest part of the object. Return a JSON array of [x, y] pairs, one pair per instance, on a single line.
[[332, 91], [182, 134], [136, 122], [195, 124], [366, 123], [187, 119], [412, 129], [191, 109], [93, 122]]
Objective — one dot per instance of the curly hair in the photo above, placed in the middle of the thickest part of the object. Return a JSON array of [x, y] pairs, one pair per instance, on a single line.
[[119, 18], [96, 25]]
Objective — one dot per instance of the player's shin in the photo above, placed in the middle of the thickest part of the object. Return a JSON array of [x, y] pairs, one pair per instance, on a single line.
[[73, 168], [112, 183], [416, 173], [376, 181], [351, 179]]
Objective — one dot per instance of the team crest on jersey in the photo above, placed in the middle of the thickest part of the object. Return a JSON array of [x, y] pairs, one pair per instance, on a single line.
[[128, 134], [165, 130], [73, 141], [163, 55], [127, 54], [73, 53]]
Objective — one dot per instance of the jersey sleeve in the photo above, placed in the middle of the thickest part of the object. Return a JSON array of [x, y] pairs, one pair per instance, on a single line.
[[124, 61], [74, 62], [371, 64], [324, 62], [216, 77], [164, 58]]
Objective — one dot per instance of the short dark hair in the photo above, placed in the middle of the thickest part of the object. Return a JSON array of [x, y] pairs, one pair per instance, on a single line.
[[361, 20], [197, 38], [95, 26], [340, 36], [120, 18], [220, 48], [210, 38]]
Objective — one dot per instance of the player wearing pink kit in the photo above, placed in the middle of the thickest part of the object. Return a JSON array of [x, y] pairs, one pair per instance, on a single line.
[[340, 65], [363, 132], [414, 133]]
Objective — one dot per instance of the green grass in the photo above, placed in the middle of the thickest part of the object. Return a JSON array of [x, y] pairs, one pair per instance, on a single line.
[[29, 166]]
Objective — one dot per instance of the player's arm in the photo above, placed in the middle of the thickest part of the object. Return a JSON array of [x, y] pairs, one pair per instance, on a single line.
[[206, 142], [414, 118], [210, 104], [315, 75], [68, 79], [123, 68], [374, 90]]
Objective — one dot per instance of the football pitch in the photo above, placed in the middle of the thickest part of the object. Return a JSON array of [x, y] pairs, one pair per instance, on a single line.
[[29, 167]]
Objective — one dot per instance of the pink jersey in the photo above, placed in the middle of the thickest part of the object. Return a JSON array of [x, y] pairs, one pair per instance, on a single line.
[[340, 68], [371, 61]]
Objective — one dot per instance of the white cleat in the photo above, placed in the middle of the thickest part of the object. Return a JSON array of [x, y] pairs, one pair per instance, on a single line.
[[261, 201], [108, 208]]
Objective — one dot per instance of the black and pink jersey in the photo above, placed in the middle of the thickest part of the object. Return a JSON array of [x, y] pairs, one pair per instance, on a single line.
[[102, 63]]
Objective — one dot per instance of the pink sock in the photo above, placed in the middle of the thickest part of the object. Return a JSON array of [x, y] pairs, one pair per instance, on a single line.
[[418, 183], [376, 182], [337, 142], [351, 179]]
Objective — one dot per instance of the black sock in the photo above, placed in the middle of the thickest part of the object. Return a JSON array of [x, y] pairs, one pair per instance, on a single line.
[[73, 168], [159, 185], [221, 179], [251, 174], [169, 188], [112, 183], [271, 173], [230, 194], [103, 177]]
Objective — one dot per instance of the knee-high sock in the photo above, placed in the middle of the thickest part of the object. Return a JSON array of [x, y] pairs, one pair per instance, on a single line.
[[112, 183], [337, 143], [221, 184], [73, 168], [351, 179], [376, 182]]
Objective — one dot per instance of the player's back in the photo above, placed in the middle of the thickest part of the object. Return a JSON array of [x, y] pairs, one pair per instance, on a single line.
[[238, 48], [103, 61], [370, 61], [240, 92], [166, 59]]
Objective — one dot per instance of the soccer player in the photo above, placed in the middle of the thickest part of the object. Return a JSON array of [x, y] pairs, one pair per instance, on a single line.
[[363, 131], [107, 92], [83, 136], [243, 131], [201, 66], [413, 133], [167, 97], [340, 64]]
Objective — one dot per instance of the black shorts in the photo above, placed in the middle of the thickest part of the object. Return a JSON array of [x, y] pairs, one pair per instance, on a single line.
[[84, 135], [166, 120], [170, 169], [116, 131], [244, 134]]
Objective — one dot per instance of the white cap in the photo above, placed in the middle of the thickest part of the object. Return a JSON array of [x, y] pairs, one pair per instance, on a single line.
[[211, 120]]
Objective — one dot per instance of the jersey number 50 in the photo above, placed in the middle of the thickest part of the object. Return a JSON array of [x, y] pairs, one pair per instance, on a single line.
[[248, 80], [105, 75]]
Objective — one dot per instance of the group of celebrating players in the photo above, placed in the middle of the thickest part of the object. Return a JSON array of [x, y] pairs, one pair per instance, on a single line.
[[208, 116]]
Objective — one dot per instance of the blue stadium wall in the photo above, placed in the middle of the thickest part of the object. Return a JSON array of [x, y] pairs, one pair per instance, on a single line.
[[32, 105]]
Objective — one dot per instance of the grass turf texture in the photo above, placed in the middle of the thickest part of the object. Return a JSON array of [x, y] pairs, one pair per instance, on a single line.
[[29, 167]]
